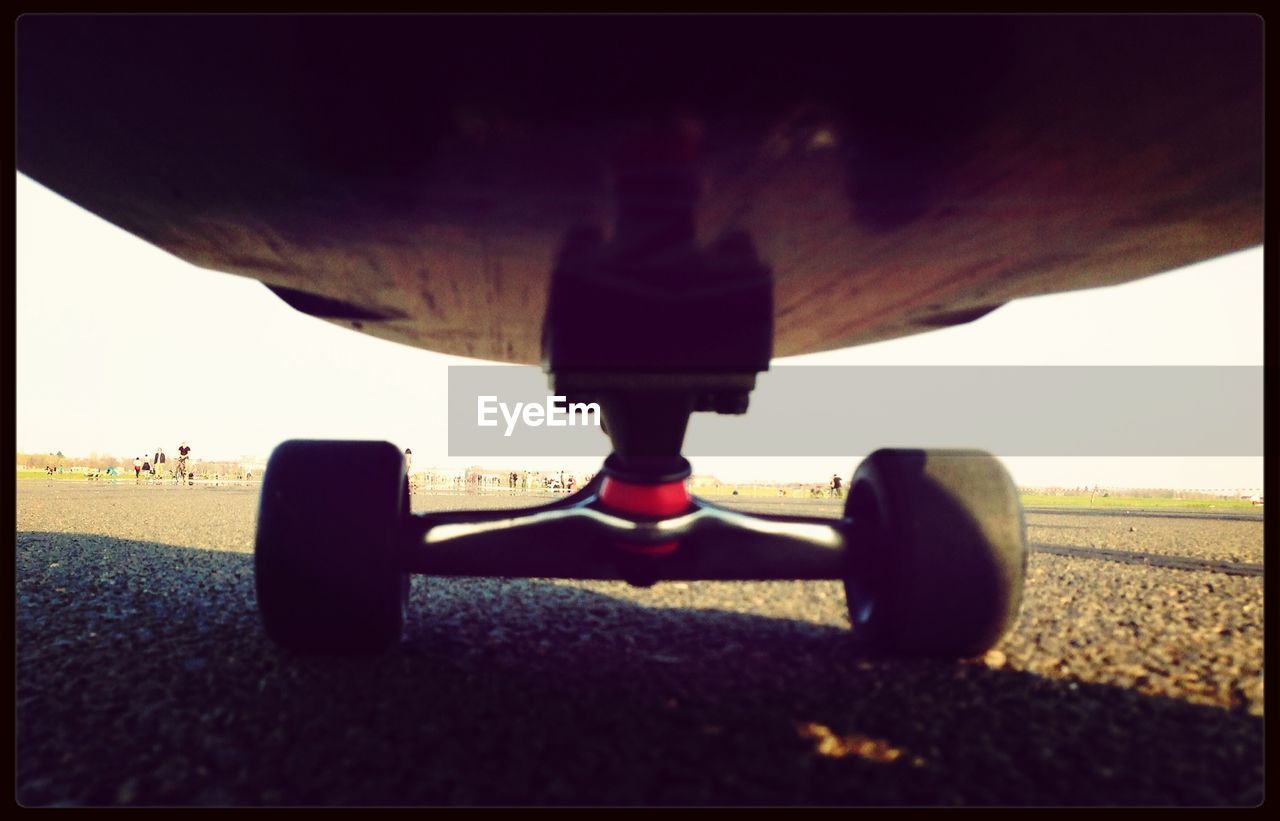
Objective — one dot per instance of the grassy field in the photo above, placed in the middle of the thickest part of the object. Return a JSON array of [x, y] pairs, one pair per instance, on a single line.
[[68, 476], [1028, 500], [40, 474], [1142, 502]]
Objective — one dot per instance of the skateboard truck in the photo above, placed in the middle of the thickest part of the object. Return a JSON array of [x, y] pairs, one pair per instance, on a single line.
[[620, 529], [930, 547]]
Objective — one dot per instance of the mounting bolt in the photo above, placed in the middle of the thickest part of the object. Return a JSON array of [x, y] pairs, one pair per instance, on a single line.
[[734, 402]]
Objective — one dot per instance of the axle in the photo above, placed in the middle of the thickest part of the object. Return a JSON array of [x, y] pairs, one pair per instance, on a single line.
[[589, 536]]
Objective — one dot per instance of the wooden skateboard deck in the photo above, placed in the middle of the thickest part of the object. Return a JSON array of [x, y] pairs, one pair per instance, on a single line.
[[414, 177]]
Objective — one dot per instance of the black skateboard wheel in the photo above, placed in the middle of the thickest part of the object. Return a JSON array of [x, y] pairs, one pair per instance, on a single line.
[[938, 553], [325, 561]]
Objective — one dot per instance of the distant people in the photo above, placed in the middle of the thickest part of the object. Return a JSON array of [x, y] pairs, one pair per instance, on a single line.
[[569, 484], [835, 485], [158, 462], [184, 465], [146, 467], [137, 469]]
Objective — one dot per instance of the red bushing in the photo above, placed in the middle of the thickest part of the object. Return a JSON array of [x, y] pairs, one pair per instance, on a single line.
[[657, 501]]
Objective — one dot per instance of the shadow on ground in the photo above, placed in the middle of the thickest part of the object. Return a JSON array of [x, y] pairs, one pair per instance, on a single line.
[[143, 677]]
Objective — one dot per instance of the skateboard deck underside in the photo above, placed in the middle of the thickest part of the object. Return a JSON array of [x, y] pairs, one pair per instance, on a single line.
[[414, 177]]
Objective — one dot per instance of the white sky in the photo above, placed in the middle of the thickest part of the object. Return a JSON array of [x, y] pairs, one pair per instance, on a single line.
[[121, 348]]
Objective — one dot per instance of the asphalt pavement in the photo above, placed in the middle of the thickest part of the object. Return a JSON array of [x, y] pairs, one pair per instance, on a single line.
[[1134, 676]]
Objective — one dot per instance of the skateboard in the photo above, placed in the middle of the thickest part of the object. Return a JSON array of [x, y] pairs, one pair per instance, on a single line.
[[652, 208]]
